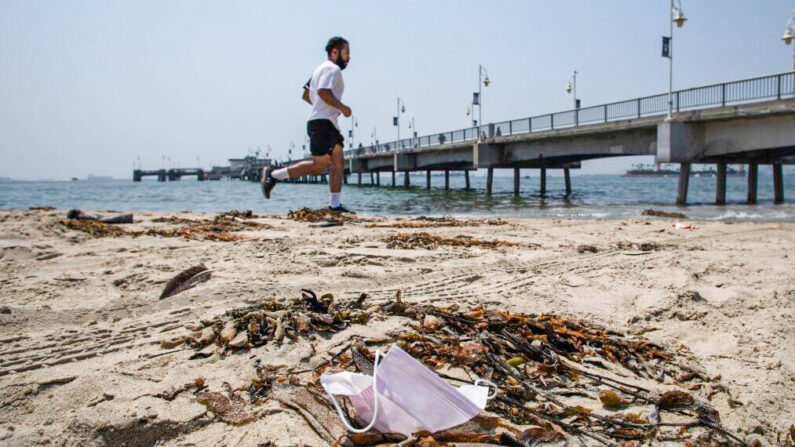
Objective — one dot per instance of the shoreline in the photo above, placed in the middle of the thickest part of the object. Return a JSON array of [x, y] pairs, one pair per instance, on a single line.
[[723, 291]]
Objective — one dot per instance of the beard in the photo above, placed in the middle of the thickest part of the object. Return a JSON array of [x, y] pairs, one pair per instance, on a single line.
[[341, 63]]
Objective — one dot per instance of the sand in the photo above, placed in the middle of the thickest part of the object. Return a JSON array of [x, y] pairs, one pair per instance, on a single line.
[[81, 322]]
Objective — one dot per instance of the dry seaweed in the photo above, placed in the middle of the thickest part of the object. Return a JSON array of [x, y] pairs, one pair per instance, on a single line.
[[93, 228], [658, 213], [436, 222], [537, 361], [320, 215], [185, 280], [427, 241]]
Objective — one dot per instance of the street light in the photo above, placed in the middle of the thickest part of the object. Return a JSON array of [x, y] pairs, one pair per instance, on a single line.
[[572, 87], [413, 126], [354, 123], [789, 35], [483, 79], [678, 17], [401, 108]]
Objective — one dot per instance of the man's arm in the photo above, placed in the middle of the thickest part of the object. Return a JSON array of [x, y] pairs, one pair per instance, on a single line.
[[305, 95], [328, 96]]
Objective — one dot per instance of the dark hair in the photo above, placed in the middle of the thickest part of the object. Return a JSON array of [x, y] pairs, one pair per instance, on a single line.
[[335, 42]]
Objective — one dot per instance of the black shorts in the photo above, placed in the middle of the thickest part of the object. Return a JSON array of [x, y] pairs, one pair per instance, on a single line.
[[323, 136]]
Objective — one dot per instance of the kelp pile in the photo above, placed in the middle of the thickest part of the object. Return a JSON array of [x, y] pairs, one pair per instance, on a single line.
[[320, 215], [559, 379], [427, 241], [436, 222], [93, 227], [220, 228]]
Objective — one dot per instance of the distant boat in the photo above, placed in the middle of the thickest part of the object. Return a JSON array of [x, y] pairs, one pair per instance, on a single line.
[[74, 179]]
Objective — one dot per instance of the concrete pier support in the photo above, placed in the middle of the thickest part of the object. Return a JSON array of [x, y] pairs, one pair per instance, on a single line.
[[778, 184], [466, 177], [720, 185], [406, 179], [543, 177], [428, 179], [372, 179], [516, 172], [753, 175], [378, 178], [360, 178], [567, 181], [393, 179], [446, 179], [684, 180], [489, 180]]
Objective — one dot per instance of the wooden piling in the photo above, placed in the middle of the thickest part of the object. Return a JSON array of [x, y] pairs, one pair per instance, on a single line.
[[393, 179], [428, 179], [360, 178], [406, 179], [466, 177], [378, 178], [446, 179], [753, 174], [543, 177], [489, 180], [720, 185], [567, 181], [372, 179], [516, 173], [684, 180], [778, 183]]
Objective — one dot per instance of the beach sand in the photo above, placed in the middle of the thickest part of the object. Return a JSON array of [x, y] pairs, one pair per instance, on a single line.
[[81, 322]]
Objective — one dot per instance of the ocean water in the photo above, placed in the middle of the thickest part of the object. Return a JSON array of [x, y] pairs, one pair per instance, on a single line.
[[593, 196]]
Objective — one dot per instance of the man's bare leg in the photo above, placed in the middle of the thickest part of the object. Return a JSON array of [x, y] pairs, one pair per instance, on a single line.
[[337, 169], [268, 178], [316, 166]]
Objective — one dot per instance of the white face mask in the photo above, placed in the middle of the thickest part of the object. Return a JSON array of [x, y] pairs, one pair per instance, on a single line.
[[410, 396]]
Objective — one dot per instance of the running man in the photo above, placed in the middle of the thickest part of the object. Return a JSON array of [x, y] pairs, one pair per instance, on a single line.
[[323, 92]]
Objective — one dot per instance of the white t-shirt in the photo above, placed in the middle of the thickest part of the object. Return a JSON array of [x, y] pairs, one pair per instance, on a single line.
[[326, 75]]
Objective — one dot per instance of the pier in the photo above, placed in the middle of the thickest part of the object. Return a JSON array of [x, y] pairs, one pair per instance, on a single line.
[[169, 174], [751, 121]]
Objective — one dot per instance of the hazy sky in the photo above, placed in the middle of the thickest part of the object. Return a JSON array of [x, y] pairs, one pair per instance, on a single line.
[[88, 86]]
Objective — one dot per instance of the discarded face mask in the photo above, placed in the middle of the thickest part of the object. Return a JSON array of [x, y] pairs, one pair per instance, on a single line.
[[410, 397]]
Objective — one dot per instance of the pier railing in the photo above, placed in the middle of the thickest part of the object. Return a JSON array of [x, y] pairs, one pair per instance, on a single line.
[[775, 86]]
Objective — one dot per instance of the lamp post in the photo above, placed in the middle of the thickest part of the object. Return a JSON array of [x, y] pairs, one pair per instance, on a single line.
[[354, 123], [413, 126], [678, 17], [572, 87], [401, 108], [789, 35], [483, 79]]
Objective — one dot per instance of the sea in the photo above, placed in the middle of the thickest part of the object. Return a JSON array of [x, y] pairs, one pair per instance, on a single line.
[[593, 197]]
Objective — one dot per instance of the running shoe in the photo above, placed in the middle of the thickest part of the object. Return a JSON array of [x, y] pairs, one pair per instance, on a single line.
[[341, 209], [267, 182]]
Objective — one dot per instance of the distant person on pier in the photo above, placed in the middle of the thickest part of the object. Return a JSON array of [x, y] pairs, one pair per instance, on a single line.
[[323, 92]]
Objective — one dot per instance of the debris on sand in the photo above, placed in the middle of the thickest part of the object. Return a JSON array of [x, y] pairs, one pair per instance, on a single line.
[[93, 227], [587, 248], [558, 378], [436, 222], [231, 409], [185, 280], [658, 213], [82, 215], [427, 241], [219, 229], [320, 215]]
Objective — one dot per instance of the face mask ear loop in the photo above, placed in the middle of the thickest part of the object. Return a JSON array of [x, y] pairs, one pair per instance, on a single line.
[[344, 418], [490, 385]]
